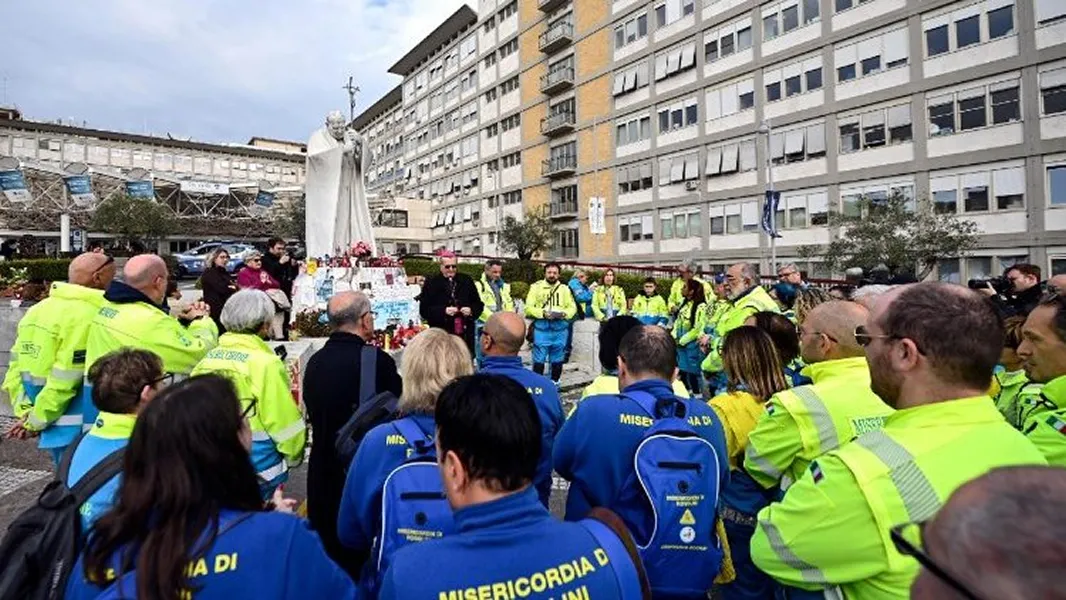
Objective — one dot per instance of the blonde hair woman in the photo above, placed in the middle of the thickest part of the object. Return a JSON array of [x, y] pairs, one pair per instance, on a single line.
[[754, 372], [432, 360]]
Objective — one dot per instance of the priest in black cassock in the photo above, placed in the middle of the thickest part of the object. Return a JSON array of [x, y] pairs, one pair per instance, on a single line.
[[450, 301]]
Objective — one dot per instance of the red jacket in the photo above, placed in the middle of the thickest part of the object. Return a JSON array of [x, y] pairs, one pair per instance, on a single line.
[[256, 279]]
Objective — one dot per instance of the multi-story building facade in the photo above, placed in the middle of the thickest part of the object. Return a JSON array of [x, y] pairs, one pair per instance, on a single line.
[[381, 126], [678, 112]]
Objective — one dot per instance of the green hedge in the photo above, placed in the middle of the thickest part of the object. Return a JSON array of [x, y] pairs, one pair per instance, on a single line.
[[40, 269], [519, 290], [428, 268]]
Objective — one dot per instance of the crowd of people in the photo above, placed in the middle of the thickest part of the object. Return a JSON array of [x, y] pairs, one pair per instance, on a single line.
[[882, 441]]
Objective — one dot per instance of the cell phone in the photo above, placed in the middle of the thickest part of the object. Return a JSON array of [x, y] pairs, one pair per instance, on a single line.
[[281, 352]]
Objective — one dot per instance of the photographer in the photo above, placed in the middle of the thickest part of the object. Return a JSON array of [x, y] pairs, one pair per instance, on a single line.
[[1017, 293], [284, 269]]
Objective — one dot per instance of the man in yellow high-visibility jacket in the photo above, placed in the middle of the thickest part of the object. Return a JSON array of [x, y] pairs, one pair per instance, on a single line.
[[133, 316], [932, 348], [495, 294], [47, 368], [279, 435], [746, 297], [1043, 352], [807, 421]]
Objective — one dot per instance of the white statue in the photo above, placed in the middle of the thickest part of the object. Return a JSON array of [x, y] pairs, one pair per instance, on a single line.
[[337, 211]]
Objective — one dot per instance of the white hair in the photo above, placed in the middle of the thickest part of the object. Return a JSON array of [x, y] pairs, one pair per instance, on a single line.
[[247, 311], [867, 294]]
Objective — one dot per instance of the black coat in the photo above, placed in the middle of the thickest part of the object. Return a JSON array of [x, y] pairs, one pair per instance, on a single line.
[[218, 286], [439, 293], [331, 394], [285, 273]]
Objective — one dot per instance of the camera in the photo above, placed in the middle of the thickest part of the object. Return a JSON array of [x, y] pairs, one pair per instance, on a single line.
[[1001, 284]]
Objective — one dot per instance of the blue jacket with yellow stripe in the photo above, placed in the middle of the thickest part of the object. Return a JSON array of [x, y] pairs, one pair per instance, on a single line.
[[110, 432]]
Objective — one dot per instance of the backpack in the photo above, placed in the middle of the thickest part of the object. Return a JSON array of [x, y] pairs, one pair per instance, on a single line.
[[414, 507], [42, 545], [372, 409], [676, 472]]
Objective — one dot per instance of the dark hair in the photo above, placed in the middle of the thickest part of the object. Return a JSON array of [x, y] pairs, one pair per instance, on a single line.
[[491, 423], [845, 290], [274, 241], [119, 377], [184, 464], [649, 349], [1024, 269], [1012, 330], [957, 330], [553, 264], [648, 280], [611, 334], [1059, 302], [782, 332], [751, 361], [696, 297], [494, 263]]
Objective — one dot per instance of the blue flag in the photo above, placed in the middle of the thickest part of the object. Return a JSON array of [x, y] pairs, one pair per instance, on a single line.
[[769, 213]]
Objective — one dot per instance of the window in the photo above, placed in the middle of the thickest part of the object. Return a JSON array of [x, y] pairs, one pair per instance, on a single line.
[[975, 199], [773, 91], [793, 86], [631, 30], [899, 124], [886, 50], [490, 96], [1000, 22], [991, 188], [511, 160], [846, 4], [392, 218], [680, 224], [784, 18], [1053, 91], [936, 40], [509, 48], [490, 60], [675, 169], [678, 115], [675, 60], [510, 198], [974, 105], [968, 31], [945, 202], [875, 128], [632, 78], [730, 98], [797, 144], [672, 11], [634, 178], [511, 122], [1049, 11], [814, 79], [1056, 177], [728, 40], [635, 228], [509, 86], [732, 157], [948, 271], [508, 11], [633, 130], [850, 138]]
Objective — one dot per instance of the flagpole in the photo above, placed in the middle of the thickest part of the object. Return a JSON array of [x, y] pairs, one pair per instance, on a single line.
[[766, 129]]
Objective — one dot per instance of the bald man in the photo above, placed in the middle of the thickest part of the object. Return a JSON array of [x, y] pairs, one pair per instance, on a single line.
[[133, 317], [1057, 284], [44, 377], [807, 421], [331, 391], [966, 538], [501, 339]]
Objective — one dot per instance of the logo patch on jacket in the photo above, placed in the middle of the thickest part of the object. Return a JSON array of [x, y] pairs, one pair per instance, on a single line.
[[79, 357], [816, 472]]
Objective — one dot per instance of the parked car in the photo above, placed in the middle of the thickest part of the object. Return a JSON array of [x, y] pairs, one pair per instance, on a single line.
[[192, 262]]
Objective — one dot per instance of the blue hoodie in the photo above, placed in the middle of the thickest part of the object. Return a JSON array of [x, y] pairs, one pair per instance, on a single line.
[[256, 555], [359, 519], [582, 296], [546, 397], [507, 548], [595, 448]]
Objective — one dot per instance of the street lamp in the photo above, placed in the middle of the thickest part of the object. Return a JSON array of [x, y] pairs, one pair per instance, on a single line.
[[767, 130]]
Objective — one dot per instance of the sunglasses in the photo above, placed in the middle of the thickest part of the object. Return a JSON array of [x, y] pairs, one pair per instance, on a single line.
[[449, 267], [904, 546], [165, 379], [107, 261]]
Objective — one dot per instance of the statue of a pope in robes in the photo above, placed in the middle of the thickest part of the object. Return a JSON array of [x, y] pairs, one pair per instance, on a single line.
[[337, 211]]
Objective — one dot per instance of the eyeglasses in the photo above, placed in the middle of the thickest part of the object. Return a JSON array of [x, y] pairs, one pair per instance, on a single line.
[[165, 379], [866, 338], [803, 332], [906, 548], [250, 410], [108, 260]]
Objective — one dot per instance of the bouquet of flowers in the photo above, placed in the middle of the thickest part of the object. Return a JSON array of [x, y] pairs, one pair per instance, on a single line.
[[361, 249]]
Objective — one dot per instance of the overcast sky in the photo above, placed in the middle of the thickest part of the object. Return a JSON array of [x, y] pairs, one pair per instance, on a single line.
[[212, 70]]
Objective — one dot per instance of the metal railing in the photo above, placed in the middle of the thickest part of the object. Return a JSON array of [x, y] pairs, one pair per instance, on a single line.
[[563, 209], [556, 36], [559, 164], [558, 121], [557, 79]]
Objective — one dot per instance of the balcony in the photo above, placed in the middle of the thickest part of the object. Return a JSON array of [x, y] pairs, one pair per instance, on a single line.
[[557, 124], [564, 209], [557, 37], [549, 5], [557, 80], [559, 166]]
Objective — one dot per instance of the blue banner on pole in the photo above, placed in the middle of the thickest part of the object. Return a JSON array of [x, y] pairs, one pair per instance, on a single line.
[[13, 184], [264, 200], [769, 213], [141, 189], [80, 189]]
